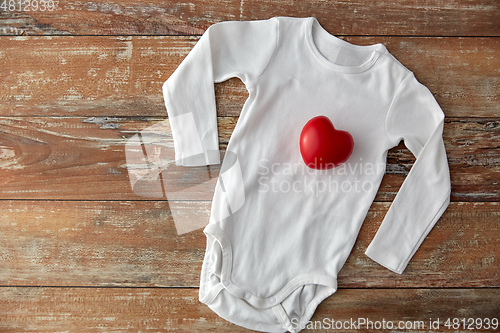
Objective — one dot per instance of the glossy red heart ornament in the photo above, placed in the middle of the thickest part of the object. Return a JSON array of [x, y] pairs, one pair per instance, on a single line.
[[322, 146]]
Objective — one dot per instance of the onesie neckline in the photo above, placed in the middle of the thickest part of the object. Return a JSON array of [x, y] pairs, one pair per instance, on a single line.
[[378, 49]]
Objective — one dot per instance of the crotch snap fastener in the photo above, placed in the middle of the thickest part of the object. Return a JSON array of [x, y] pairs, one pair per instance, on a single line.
[[272, 299], [226, 283], [248, 296]]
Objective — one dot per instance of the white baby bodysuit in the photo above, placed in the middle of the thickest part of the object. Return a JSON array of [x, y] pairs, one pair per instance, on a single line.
[[280, 231]]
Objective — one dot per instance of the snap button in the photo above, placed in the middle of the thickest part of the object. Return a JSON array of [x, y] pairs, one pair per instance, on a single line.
[[248, 296], [226, 283], [272, 299]]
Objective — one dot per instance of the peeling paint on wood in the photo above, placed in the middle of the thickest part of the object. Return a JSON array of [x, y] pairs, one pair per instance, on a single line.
[[104, 122], [114, 243], [44, 156], [179, 310], [445, 18], [122, 76]]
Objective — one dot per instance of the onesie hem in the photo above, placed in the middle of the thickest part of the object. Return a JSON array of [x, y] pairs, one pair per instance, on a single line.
[[270, 328], [273, 302]]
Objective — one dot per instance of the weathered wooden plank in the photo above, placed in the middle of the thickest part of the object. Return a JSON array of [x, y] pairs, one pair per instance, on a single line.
[[47, 157], [178, 310], [451, 18], [122, 76], [134, 243]]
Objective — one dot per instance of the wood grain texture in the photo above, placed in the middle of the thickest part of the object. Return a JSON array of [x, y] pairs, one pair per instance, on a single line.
[[84, 158], [122, 76], [81, 252], [134, 243], [127, 17], [178, 310]]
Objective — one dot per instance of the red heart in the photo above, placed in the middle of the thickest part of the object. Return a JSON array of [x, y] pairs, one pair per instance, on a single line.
[[322, 146]]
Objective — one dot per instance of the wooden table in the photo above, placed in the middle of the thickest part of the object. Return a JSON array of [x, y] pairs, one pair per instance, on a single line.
[[79, 251]]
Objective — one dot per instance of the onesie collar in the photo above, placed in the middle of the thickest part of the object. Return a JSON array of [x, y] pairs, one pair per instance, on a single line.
[[377, 49]]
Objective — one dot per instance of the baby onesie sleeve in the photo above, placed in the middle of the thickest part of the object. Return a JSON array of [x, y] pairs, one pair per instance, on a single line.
[[240, 49], [415, 117]]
